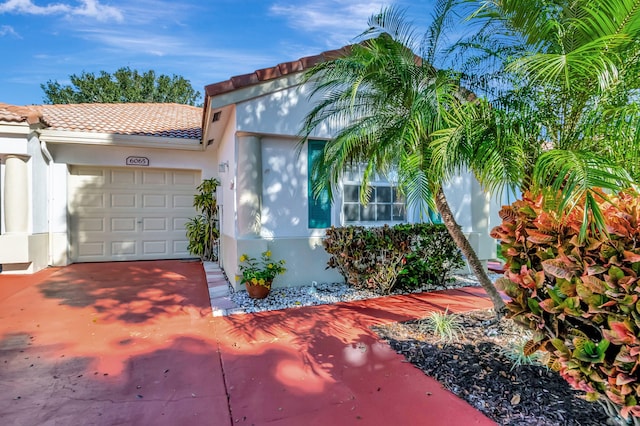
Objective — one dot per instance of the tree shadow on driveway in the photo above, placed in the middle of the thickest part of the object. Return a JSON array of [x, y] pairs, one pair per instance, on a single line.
[[134, 292]]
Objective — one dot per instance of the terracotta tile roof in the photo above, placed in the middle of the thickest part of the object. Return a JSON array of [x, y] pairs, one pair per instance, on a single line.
[[280, 70], [18, 114], [140, 119]]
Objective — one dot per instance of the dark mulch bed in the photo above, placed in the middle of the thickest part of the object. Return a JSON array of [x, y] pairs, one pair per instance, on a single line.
[[477, 369]]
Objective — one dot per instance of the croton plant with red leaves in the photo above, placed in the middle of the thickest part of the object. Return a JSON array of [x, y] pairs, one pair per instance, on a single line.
[[580, 296]]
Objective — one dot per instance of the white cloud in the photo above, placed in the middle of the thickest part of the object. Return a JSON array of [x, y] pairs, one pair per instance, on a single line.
[[89, 8], [156, 12], [141, 42], [93, 9], [7, 30], [136, 42], [338, 21], [27, 6]]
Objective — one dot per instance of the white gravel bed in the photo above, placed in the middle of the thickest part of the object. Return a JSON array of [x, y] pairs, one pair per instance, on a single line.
[[327, 293]]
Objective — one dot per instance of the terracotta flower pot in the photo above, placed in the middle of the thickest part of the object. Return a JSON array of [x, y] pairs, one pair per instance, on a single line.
[[258, 291]]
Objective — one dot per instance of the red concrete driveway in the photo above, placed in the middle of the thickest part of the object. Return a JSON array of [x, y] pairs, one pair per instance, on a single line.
[[134, 343], [322, 365], [128, 343]]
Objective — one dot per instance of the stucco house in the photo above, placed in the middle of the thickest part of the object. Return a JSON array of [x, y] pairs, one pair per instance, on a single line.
[[252, 121], [108, 182]]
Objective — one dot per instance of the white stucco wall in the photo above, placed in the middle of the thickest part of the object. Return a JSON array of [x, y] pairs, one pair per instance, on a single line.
[[284, 215], [473, 209], [284, 189], [459, 196], [225, 153], [115, 156], [278, 113], [14, 143]]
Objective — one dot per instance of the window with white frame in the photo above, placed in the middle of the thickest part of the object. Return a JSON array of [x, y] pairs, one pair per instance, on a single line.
[[386, 203]]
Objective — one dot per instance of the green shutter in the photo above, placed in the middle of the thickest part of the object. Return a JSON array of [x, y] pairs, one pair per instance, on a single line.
[[319, 207], [435, 217]]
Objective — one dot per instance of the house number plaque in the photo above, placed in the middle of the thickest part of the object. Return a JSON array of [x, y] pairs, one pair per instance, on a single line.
[[137, 161]]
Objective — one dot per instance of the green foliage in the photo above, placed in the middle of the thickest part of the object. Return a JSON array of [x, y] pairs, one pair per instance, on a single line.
[[260, 272], [445, 326], [580, 296], [519, 355], [561, 81], [375, 258], [433, 256], [124, 85], [202, 230], [384, 100]]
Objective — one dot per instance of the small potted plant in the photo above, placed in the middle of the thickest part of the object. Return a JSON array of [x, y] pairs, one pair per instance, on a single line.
[[258, 274]]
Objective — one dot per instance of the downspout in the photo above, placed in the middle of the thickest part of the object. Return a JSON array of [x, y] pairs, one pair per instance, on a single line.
[[49, 158]]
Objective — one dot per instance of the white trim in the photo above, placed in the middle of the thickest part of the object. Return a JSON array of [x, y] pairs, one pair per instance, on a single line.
[[257, 90], [88, 138], [21, 128], [49, 158]]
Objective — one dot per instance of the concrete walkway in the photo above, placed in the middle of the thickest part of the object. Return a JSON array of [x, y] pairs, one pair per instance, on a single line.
[[135, 343]]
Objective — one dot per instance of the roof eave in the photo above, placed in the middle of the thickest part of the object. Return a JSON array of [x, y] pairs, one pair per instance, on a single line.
[[110, 139], [248, 86]]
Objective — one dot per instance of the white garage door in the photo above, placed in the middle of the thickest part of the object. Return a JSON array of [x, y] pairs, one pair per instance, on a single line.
[[129, 213]]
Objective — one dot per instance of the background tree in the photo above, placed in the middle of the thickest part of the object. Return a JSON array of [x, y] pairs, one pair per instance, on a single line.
[[384, 104], [124, 85]]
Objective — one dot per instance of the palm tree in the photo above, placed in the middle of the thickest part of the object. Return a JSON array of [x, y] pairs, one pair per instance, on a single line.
[[562, 79], [384, 104]]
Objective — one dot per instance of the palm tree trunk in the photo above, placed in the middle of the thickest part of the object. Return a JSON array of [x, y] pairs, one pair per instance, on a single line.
[[463, 244]]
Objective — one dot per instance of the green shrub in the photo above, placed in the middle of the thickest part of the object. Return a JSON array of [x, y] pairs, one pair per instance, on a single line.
[[581, 297], [375, 258], [433, 257], [202, 230]]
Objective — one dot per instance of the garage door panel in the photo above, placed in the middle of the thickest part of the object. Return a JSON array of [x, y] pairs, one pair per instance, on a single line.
[[154, 177], [123, 224], [90, 200], [123, 201], [182, 202], [122, 177], [180, 247], [179, 222], [155, 247], [89, 177], [91, 224], [154, 200], [130, 214], [184, 178], [154, 224], [91, 249], [127, 247]]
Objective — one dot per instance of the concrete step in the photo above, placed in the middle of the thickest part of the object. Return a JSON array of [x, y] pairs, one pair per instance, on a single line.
[[211, 267], [220, 282], [218, 287], [216, 278], [221, 306], [220, 291]]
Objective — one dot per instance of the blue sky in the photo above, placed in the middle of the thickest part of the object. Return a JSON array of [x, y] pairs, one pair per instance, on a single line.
[[205, 41]]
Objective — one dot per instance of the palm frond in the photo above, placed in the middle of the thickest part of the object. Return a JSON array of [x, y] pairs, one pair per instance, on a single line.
[[571, 176]]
